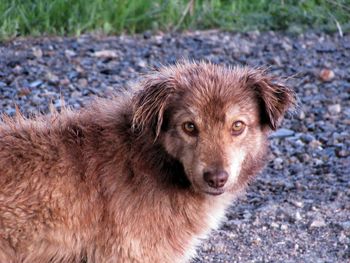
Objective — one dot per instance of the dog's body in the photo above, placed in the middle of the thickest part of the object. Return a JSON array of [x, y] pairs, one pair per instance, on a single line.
[[139, 178]]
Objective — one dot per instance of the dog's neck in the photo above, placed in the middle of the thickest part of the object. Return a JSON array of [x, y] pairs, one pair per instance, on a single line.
[[153, 161]]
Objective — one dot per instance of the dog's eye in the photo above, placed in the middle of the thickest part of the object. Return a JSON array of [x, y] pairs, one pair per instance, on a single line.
[[238, 127], [189, 128]]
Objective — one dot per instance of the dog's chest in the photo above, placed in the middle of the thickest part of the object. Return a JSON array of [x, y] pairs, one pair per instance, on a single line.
[[214, 215]]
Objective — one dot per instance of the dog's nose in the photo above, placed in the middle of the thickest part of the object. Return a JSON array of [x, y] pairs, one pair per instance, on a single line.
[[215, 179]]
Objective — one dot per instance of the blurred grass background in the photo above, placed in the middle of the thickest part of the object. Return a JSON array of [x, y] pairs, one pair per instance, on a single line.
[[73, 17]]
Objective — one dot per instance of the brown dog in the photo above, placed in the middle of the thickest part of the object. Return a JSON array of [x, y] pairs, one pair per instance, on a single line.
[[139, 178]]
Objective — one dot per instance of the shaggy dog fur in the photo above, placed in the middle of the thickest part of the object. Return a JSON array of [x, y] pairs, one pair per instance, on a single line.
[[139, 178]]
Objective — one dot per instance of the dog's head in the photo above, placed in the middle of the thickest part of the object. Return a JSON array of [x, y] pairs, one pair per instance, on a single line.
[[213, 119]]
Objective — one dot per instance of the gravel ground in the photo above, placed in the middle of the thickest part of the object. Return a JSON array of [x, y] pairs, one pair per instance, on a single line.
[[298, 209]]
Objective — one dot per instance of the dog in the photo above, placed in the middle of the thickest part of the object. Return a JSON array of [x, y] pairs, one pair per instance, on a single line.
[[140, 177]]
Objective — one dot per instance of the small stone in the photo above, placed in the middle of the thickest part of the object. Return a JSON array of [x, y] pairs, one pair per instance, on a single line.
[[304, 158], [83, 82], [142, 63], [64, 82], [245, 49], [35, 84], [296, 246], [236, 222], [18, 69], [334, 109], [343, 238], [247, 215], [220, 247], [315, 144], [52, 78], [105, 54], [36, 100], [37, 52], [147, 34], [298, 143], [207, 247], [317, 162], [342, 153], [23, 92], [274, 225], [10, 112], [318, 222], [301, 115], [75, 94], [284, 227], [307, 138], [345, 225], [282, 133], [257, 241], [254, 34], [277, 61], [287, 46], [158, 39], [278, 163], [70, 53], [298, 216], [326, 75], [296, 203]]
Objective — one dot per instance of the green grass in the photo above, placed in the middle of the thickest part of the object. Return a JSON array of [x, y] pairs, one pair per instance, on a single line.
[[73, 17]]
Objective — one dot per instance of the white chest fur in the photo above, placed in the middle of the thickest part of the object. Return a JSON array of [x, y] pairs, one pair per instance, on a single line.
[[215, 214]]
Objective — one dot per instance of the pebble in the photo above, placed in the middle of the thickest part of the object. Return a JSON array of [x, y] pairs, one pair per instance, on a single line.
[[52, 78], [142, 63], [83, 82], [64, 82], [308, 137], [76, 94], [344, 238], [342, 153], [257, 241], [327, 75], [301, 115], [298, 204], [315, 144], [282, 133], [298, 216], [24, 92], [70, 53], [35, 84], [37, 52], [317, 162], [274, 225], [287, 46], [334, 109], [106, 54], [345, 225], [318, 222], [284, 227], [278, 163]]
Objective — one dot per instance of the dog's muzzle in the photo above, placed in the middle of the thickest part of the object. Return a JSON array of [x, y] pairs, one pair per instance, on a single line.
[[215, 179]]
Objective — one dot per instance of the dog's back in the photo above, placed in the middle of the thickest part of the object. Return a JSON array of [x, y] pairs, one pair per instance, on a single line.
[[42, 181]]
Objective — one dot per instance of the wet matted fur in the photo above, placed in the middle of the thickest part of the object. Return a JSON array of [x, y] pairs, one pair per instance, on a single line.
[[140, 177]]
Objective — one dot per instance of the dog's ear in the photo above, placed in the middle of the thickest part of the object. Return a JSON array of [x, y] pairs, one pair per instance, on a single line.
[[275, 97], [150, 104]]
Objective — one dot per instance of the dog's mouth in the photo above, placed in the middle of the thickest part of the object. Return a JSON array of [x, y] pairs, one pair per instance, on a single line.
[[215, 192]]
